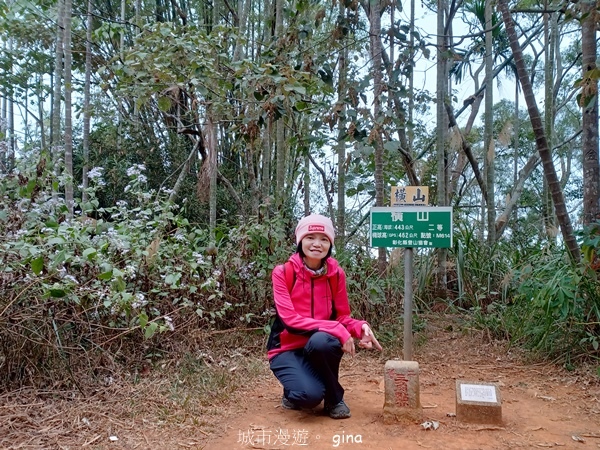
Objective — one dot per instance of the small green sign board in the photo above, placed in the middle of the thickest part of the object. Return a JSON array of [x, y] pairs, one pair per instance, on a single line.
[[411, 226]]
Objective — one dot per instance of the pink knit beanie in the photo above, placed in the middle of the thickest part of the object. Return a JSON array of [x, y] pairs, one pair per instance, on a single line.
[[315, 223]]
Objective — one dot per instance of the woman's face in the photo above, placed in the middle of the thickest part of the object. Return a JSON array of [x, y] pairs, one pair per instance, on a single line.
[[315, 247]]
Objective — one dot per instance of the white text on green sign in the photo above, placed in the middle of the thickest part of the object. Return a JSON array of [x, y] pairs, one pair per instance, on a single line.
[[411, 226]]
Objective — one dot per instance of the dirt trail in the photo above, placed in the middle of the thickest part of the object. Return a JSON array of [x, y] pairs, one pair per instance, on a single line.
[[543, 406]]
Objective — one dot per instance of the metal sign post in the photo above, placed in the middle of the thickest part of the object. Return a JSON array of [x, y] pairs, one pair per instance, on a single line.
[[407, 346], [411, 227]]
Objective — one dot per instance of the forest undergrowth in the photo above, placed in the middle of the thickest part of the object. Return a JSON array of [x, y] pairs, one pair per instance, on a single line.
[[118, 289]]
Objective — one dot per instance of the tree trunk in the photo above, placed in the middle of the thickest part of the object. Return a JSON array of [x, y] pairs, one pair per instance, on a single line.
[[442, 128], [55, 140], [280, 147], [266, 163], [40, 100], [411, 80], [490, 147], [3, 133], [122, 56], [516, 145], [376, 138], [86, 102], [211, 143], [68, 114], [243, 11], [589, 104], [185, 169], [540, 137], [549, 37], [515, 193], [306, 183], [341, 144]]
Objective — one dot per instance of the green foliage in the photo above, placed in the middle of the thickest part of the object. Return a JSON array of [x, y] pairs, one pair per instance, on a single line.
[[535, 298], [557, 309], [73, 290], [477, 271]]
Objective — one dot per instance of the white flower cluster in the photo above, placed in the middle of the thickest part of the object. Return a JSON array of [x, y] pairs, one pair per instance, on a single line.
[[136, 171], [246, 271], [139, 301], [95, 175], [169, 323], [199, 257], [210, 283], [115, 240], [131, 272]]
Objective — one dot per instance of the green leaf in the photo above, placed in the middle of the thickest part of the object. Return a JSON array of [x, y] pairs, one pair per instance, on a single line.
[[105, 275], [57, 292], [594, 73], [150, 330], [107, 272], [173, 278], [31, 185], [37, 265], [90, 253], [119, 284], [59, 258], [301, 105], [295, 88], [3, 215], [56, 241], [164, 104], [391, 146], [143, 318]]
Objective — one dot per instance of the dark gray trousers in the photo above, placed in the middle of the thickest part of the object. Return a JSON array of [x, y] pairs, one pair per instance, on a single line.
[[310, 374]]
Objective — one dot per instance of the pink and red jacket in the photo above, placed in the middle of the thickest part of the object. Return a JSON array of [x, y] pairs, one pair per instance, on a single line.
[[311, 306]]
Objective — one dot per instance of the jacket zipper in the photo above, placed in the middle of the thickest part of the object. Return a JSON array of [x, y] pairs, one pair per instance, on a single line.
[[312, 298]]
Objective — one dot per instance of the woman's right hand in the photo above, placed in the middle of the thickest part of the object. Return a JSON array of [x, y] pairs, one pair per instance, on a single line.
[[348, 347]]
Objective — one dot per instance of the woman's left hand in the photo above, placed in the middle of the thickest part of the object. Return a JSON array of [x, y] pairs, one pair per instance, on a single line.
[[368, 339]]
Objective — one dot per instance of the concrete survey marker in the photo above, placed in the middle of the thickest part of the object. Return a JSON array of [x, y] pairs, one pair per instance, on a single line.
[[478, 402], [402, 400]]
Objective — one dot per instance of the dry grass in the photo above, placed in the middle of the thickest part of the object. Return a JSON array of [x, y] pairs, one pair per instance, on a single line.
[[172, 403]]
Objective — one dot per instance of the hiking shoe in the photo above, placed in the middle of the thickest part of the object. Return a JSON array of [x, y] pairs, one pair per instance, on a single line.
[[339, 411], [288, 404]]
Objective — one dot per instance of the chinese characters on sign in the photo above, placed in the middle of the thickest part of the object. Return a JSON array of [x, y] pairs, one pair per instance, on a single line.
[[411, 226], [400, 387], [409, 195], [478, 393]]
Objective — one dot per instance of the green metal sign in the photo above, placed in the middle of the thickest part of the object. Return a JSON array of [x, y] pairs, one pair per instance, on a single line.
[[411, 226]]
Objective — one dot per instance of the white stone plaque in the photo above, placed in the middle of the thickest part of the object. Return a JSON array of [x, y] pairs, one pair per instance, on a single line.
[[478, 393]]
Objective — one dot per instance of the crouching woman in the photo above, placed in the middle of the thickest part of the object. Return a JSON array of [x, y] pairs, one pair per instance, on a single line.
[[313, 327]]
